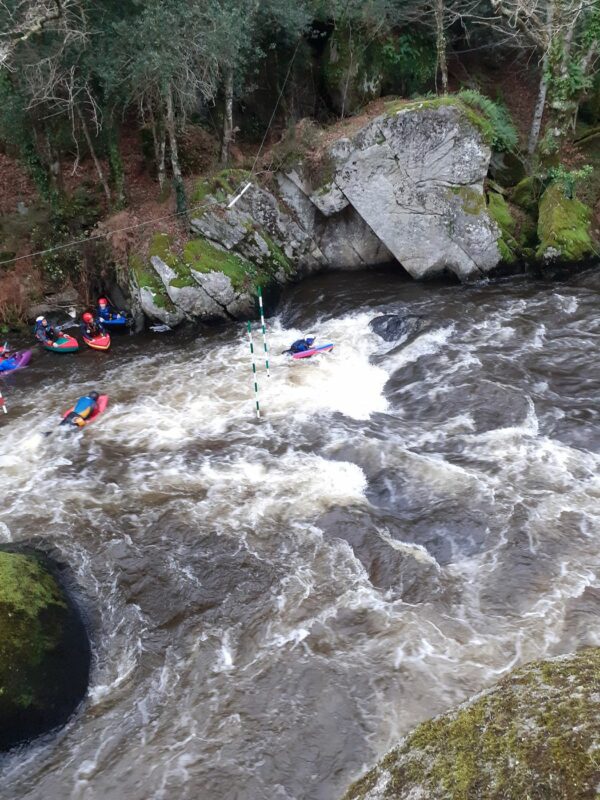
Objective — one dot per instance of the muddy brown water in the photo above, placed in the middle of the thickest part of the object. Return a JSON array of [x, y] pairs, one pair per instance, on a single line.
[[273, 603]]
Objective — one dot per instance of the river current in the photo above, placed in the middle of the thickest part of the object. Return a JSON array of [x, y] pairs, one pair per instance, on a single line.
[[274, 602]]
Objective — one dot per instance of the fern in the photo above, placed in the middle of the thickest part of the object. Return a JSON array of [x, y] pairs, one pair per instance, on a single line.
[[504, 136]]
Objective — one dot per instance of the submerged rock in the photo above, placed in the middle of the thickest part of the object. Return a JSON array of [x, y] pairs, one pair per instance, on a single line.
[[44, 650], [533, 735], [392, 327]]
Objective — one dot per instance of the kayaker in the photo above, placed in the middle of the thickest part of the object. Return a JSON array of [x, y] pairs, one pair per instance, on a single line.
[[91, 327], [107, 312], [301, 345], [45, 333], [81, 410]]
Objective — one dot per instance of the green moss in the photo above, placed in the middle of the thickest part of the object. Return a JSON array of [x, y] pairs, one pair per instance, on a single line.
[[508, 244], [144, 276], [564, 225], [535, 735], [31, 610], [473, 202], [499, 211], [202, 256], [161, 246], [278, 259], [526, 194], [490, 119], [219, 186]]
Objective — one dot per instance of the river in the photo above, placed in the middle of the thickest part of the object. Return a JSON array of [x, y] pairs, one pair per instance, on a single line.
[[274, 602]]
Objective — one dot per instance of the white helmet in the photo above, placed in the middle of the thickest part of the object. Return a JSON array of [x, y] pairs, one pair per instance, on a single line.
[[40, 319]]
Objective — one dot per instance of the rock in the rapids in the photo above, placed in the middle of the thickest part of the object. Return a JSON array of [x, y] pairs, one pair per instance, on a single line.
[[44, 650], [392, 327], [535, 734]]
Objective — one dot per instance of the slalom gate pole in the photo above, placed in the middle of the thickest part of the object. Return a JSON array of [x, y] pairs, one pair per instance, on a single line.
[[3, 404], [254, 370], [264, 331]]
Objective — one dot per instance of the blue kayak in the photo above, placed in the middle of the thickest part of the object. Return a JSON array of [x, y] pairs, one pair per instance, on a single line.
[[115, 322]]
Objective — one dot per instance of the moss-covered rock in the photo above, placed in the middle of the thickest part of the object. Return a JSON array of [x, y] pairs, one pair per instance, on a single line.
[[201, 255], [220, 187], [563, 227], [526, 194], [44, 652], [499, 211], [535, 735]]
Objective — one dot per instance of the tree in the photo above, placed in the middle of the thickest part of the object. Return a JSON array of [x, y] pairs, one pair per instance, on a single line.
[[566, 36]]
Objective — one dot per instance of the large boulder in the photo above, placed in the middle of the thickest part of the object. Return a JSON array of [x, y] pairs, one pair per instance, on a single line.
[[44, 650], [407, 186], [415, 175], [535, 734]]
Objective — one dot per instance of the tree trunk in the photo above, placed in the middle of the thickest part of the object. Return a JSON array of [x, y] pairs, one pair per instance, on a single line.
[[441, 44], [97, 163], [228, 115], [540, 105], [160, 146], [177, 176]]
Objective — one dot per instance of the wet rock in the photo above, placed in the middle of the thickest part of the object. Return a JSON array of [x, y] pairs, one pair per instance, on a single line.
[[392, 327], [534, 734], [58, 302], [44, 650]]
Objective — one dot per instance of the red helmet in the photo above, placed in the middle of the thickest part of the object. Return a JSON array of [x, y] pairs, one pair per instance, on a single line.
[[87, 317], [102, 301]]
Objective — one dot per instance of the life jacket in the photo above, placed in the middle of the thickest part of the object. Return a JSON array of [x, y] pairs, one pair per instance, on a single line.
[[84, 406], [46, 333], [300, 346]]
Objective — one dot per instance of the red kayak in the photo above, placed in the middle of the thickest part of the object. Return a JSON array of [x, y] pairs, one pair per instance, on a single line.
[[66, 344], [101, 342], [101, 404], [324, 348]]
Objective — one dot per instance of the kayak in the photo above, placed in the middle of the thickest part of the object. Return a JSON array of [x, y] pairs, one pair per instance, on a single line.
[[115, 323], [66, 344], [18, 361], [101, 342], [101, 404], [324, 348]]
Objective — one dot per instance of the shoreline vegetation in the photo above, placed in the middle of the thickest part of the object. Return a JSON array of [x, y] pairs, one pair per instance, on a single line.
[[107, 124]]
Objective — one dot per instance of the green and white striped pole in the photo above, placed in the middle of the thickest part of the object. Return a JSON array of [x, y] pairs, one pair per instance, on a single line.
[[3, 404], [254, 370], [264, 331]]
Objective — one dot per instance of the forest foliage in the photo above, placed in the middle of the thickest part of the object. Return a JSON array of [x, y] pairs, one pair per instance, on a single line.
[[75, 75]]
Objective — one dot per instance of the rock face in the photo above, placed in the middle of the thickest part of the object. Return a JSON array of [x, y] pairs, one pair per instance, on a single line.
[[407, 186], [44, 651], [535, 734]]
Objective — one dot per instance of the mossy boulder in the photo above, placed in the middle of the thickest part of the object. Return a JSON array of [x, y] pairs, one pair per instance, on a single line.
[[44, 650], [526, 194], [534, 735], [563, 227]]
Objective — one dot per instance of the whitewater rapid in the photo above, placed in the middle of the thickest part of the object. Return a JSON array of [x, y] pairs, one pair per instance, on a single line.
[[273, 602]]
